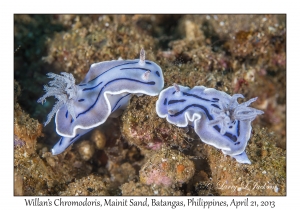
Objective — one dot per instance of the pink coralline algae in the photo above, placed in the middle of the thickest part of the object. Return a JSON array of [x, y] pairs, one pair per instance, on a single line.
[[167, 167], [158, 177]]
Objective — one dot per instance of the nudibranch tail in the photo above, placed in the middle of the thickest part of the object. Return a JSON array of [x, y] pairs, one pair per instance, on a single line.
[[242, 158], [218, 118], [65, 142]]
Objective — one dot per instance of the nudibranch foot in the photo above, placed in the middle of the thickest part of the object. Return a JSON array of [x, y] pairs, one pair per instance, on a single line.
[[65, 142], [242, 158], [218, 119]]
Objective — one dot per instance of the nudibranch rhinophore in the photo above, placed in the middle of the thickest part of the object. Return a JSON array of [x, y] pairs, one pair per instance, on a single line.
[[105, 90], [218, 119]]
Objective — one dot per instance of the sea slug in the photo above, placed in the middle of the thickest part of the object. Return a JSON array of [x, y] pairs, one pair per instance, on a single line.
[[218, 119], [105, 90]]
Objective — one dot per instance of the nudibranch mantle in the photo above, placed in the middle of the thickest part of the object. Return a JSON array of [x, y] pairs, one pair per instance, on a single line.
[[218, 119], [105, 90]]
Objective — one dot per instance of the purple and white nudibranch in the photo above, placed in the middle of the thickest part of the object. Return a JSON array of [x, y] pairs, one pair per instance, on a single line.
[[218, 119], [105, 90]]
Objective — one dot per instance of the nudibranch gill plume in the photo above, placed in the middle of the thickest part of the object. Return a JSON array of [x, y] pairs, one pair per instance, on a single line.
[[105, 90], [218, 119]]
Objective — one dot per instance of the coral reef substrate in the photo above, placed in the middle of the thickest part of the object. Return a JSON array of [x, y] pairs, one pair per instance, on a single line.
[[232, 53]]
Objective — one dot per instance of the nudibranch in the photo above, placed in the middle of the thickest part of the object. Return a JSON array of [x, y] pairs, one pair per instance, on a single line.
[[218, 119], [105, 90]]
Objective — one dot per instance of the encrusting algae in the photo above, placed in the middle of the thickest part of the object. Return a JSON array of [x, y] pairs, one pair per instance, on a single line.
[[231, 53], [167, 168]]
